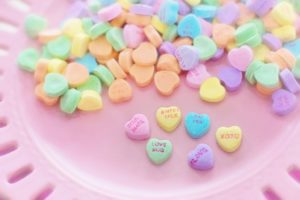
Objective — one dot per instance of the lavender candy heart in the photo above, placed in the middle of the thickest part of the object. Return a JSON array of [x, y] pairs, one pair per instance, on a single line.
[[187, 56], [289, 81], [284, 102], [261, 7], [77, 9], [218, 55], [184, 8], [148, 2], [167, 48], [231, 78], [201, 158], [228, 13], [142, 9], [272, 42]]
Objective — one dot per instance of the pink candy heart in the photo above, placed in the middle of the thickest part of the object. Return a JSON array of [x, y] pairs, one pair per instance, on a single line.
[[196, 76], [138, 127], [241, 58], [133, 35]]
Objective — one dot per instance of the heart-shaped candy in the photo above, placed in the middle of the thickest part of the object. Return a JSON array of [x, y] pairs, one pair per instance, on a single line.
[[212, 91], [189, 26], [267, 75], [231, 78], [201, 158], [284, 102], [229, 138], [187, 56], [196, 124], [166, 82], [168, 118], [119, 91], [159, 151], [133, 35], [229, 13], [197, 76], [241, 58], [138, 127]]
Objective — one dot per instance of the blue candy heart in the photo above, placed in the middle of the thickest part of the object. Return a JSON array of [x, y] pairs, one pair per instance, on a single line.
[[196, 124], [189, 26], [168, 12]]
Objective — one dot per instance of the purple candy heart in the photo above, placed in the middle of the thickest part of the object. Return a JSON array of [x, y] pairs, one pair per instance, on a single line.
[[167, 48], [201, 158], [218, 54], [272, 42], [229, 13], [261, 7], [289, 81], [142, 9], [187, 56], [148, 2], [77, 9], [231, 78], [284, 102], [184, 8]]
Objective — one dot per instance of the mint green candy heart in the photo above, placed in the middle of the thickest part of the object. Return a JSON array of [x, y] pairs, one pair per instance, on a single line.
[[60, 47], [211, 2], [267, 75], [87, 24], [296, 69], [170, 34], [207, 47], [45, 53], [251, 69], [115, 37], [259, 25], [70, 101], [93, 83], [159, 151], [28, 58], [248, 34], [55, 85], [94, 5], [104, 75], [99, 29], [34, 24]]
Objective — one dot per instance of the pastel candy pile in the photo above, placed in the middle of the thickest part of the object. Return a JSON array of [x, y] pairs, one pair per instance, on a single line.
[[114, 43]]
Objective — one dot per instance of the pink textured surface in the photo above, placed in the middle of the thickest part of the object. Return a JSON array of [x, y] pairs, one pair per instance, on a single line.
[[88, 156]]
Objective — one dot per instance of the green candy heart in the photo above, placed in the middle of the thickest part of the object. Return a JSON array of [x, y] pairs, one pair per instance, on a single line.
[[87, 24], [296, 69], [171, 33], [70, 101], [248, 34], [211, 2], [55, 85], [99, 29], [252, 68], [34, 24], [207, 47], [104, 75], [94, 6], [268, 75], [45, 53], [259, 25], [159, 151], [60, 47], [93, 83], [115, 37], [28, 58]]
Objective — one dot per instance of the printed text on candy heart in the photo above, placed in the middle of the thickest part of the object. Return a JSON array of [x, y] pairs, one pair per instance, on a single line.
[[135, 124], [230, 136], [158, 147], [197, 155]]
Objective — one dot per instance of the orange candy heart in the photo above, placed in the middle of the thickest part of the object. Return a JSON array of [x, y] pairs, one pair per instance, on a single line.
[[166, 82], [142, 75], [41, 70], [168, 62], [42, 96], [223, 34], [101, 48], [145, 55], [115, 69], [76, 74], [153, 36], [125, 59], [119, 91]]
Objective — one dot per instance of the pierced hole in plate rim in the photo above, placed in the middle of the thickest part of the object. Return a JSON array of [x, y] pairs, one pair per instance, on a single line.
[[20, 174], [294, 172], [44, 193], [3, 122], [8, 148], [270, 194], [19, 5]]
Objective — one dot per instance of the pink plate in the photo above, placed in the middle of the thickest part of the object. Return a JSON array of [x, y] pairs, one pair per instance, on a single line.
[[45, 154]]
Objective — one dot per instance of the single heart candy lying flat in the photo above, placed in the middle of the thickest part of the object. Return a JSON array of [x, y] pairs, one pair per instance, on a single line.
[[201, 158], [119, 91], [284, 102], [229, 139], [168, 118], [240, 58], [197, 76], [187, 56], [267, 75], [159, 151], [138, 127], [189, 26], [212, 91], [196, 124], [231, 78], [166, 82]]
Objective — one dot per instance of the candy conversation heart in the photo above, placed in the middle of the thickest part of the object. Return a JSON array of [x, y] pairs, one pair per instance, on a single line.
[[283, 102], [212, 91], [240, 58], [196, 124], [168, 118], [137, 128], [189, 26], [159, 151], [229, 138], [267, 75], [201, 158]]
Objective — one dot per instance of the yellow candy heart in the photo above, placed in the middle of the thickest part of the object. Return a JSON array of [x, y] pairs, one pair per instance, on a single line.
[[212, 91], [80, 44], [90, 101], [229, 139], [168, 118], [193, 2], [283, 13], [72, 27]]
